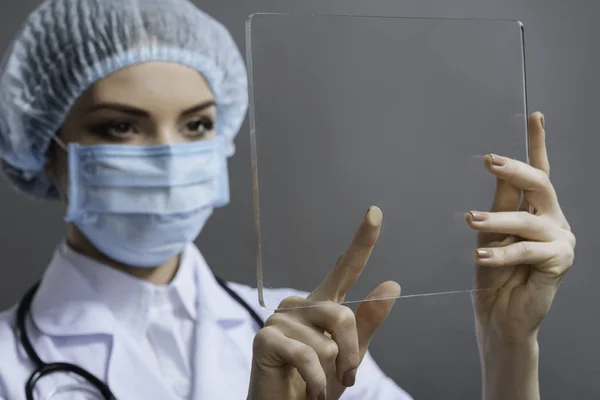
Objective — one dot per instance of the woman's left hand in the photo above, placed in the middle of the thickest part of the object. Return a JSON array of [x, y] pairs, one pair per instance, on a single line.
[[523, 255]]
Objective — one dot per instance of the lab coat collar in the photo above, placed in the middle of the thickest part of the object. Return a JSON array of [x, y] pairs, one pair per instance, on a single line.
[[130, 299], [67, 304], [80, 296]]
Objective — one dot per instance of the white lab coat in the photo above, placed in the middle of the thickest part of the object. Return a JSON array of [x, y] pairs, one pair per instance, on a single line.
[[71, 324]]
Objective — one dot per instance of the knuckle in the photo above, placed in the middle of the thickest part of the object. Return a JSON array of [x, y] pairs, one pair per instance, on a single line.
[[328, 350], [344, 318], [571, 239], [264, 338], [562, 259], [290, 302], [568, 254], [570, 259], [276, 319]]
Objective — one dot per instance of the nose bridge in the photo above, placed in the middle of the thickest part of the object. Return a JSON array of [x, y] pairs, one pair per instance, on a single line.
[[166, 133]]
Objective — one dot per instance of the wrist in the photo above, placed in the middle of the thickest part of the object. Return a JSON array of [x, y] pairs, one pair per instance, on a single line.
[[510, 369], [510, 342], [493, 346]]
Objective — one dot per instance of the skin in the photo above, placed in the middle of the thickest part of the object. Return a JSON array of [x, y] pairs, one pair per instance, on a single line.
[[313, 353], [525, 256], [161, 92]]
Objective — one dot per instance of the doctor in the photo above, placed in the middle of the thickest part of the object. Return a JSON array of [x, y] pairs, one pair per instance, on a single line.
[[126, 110]]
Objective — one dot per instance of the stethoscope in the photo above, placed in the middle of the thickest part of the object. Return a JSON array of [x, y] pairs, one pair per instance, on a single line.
[[43, 369]]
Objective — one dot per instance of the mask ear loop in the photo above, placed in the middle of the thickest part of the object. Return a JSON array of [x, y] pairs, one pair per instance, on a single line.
[[59, 142], [63, 146]]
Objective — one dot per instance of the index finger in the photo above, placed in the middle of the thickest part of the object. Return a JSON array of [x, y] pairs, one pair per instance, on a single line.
[[538, 155], [352, 262]]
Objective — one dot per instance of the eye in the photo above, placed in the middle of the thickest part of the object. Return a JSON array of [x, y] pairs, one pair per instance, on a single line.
[[112, 130], [200, 126], [119, 129]]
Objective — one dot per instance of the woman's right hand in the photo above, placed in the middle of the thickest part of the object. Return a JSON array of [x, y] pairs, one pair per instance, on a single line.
[[313, 352]]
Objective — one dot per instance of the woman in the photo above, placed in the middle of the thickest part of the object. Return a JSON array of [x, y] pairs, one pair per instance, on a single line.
[[126, 110]]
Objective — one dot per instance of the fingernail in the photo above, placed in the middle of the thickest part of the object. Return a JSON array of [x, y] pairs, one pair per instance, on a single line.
[[482, 253], [478, 216], [323, 395], [349, 378], [497, 160], [543, 121], [368, 211]]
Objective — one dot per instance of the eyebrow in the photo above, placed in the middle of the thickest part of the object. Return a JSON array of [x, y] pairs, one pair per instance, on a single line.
[[142, 113]]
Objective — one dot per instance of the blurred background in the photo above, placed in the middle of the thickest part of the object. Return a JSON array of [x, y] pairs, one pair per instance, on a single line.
[[428, 344]]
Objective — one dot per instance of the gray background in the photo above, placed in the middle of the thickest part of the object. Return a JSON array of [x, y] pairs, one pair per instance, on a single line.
[[434, 354], [395, 112]]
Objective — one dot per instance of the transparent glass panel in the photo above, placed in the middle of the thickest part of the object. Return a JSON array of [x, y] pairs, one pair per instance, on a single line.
[[349, 112], [428, 347]]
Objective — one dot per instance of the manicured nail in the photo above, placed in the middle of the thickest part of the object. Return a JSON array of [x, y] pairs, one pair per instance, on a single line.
[[349, 378], [323, 395], [482, 253], [478, 216], [368, 211], [497, 160]]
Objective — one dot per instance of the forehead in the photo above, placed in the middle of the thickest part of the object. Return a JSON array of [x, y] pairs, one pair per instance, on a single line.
[[150, 85]]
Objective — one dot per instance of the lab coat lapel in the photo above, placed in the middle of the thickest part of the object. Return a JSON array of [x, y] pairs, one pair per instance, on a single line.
[[133, 374], [224, 335], [77, 312], [220, 367]]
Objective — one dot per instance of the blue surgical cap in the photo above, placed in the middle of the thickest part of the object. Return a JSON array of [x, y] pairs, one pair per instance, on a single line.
[[65, 46]]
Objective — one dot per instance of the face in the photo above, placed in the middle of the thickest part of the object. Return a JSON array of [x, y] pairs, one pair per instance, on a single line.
[[145, 104]]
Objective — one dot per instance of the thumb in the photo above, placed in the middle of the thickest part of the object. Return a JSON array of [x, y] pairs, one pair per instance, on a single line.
[[371, 313]]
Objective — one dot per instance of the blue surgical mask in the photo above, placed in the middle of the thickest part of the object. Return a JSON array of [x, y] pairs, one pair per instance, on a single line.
[[140, 205]]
